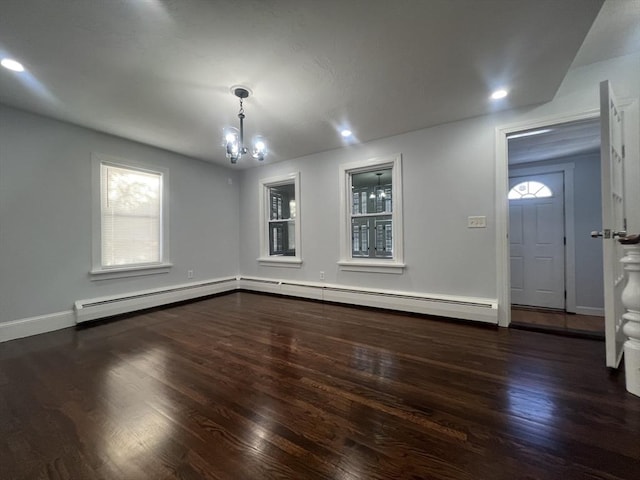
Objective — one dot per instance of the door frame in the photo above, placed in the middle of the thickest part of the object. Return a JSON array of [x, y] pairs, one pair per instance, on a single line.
[[503, 272], [569, 225]]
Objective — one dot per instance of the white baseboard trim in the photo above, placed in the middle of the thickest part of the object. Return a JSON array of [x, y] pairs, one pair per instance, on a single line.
[[596, 312], [466, 308], [94, 308], [26, 327]]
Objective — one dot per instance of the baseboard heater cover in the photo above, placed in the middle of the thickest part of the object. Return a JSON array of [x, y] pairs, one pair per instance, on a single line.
[[466, 308], [92, 309]]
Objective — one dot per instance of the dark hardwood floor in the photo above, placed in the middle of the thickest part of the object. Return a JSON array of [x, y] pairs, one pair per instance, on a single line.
[[247, 386]]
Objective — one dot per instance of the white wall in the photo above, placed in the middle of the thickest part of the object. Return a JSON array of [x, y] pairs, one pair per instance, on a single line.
[[437, 171], [45, 215], [449, 174]]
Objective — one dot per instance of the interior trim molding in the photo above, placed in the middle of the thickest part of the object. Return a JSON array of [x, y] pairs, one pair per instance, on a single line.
[[94, 308], [503, 273], [593, 311], [27, 327], [451, 306]]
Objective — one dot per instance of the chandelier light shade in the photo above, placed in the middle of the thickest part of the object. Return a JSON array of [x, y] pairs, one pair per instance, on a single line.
[[379, 191], [234, 138]]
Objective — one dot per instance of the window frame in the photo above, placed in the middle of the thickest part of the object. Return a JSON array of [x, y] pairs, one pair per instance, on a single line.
[[98, 270], [265, 259], [347, 262]]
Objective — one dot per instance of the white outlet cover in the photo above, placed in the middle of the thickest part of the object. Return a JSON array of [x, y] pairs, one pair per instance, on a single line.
[[477, 222]]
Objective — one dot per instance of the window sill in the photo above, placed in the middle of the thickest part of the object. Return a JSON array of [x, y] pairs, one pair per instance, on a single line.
[[290, 262], [372, 266], [129, 271]]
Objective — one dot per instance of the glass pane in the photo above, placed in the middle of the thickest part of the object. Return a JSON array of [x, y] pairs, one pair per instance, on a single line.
[[282, 202], [384, 237], [282, 238], [532, 189], [371, 214], [371, 192], [372, 237], [275, 239], [360, 237], [130, 210], [282, 224]]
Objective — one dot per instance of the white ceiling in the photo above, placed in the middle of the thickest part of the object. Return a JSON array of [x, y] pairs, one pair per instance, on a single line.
[[616, 32], [159, 71], [559, 141]]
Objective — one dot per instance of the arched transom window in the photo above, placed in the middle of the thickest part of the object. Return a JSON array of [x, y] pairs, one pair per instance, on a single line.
[[525, 190]]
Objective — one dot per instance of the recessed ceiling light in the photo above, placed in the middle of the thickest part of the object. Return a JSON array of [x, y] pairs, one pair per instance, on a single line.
[[498, 94], [346, 133], [12, 65]]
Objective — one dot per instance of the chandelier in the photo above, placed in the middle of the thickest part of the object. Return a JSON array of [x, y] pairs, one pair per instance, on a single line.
[[378, 191], [234, 138]]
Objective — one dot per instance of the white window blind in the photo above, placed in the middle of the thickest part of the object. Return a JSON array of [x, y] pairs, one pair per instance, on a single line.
[[130, 205]]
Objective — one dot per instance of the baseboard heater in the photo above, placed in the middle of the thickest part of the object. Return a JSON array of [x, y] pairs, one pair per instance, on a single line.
[[466, 308], [95, 308]]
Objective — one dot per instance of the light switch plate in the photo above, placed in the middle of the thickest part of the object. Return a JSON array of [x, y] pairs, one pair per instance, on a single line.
[[477, 222]]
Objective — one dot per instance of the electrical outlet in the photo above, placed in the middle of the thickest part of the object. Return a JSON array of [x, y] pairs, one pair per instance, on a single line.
[[189, 273], [477, 222], [321, 275]]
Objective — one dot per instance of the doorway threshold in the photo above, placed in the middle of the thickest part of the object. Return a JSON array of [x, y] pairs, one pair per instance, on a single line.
[[557, 322]]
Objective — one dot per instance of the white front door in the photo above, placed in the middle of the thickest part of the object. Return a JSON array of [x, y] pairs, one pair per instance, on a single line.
[[613, 220], [536, 235]]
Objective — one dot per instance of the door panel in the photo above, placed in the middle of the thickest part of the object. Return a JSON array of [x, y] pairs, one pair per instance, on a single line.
[[517, 279], [516, 232], [613, 219], [543, 274], [536, 232], [516, 238], [545, 227]]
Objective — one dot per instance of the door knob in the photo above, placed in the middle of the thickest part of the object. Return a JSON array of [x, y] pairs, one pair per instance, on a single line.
[[607, 233]]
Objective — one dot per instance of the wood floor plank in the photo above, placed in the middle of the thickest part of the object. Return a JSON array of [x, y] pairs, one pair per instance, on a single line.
[[247, 386]]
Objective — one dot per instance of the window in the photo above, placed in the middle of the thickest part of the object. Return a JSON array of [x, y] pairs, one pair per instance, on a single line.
[[129, 223], [280, 221], [371, 214], [525, 190], [371, 206]]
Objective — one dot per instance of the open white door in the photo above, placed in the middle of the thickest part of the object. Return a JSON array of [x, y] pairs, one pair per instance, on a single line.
[[614, 221]]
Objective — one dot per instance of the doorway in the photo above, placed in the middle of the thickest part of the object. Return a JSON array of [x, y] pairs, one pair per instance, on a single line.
[[537, 240], [554, 203]]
